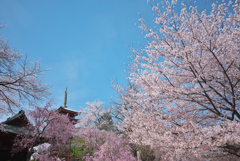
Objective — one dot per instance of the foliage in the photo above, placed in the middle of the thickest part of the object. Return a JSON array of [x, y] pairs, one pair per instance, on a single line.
[[20, 80], [184, 96], [46, 125], [79, 148]]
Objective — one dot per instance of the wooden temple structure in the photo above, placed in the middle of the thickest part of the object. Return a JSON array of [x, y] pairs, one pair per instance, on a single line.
[[13, 126], [9, 129]]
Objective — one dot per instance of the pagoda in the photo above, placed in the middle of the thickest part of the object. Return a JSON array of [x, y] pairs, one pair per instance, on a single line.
[[66, 111]]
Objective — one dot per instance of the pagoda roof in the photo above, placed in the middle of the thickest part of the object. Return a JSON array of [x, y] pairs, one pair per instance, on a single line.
[[63, 109]]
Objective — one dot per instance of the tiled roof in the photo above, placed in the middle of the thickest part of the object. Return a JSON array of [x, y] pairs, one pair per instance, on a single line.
[[21, 114], [12, 129], [68, 110], [9, 126]]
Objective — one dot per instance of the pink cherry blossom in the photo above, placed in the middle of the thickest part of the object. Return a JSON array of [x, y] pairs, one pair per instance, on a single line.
[[185, 84], [106, 145], [46, 125]]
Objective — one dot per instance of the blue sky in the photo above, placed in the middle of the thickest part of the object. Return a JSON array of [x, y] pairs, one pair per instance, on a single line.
[[84, 42]]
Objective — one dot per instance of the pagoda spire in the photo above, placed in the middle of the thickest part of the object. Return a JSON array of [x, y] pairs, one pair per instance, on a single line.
[[65, 99]]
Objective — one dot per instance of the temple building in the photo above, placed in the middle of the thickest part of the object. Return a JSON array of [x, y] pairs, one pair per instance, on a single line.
[[8, 131], [66, 111], [13, 126]]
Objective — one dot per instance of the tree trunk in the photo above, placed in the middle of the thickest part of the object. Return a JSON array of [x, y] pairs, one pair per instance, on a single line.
[[139, 154], [29, 153]]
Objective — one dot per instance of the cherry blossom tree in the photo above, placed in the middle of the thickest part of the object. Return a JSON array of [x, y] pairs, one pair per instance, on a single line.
[[185, 94], [90, 116], [21, 81], [96, 139], [46, 125], [101, 145], [95, 115]]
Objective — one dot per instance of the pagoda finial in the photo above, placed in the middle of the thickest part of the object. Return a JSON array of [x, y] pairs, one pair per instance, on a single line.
[[65, 99]]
